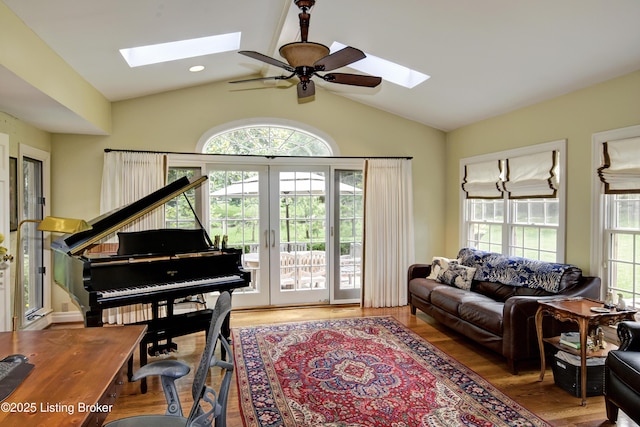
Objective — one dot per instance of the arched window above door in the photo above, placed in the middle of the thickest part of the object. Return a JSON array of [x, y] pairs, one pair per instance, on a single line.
[[266, 139]]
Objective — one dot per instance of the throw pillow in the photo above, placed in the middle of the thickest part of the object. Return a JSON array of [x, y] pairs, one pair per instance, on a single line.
[[439, 264], [457, 275]]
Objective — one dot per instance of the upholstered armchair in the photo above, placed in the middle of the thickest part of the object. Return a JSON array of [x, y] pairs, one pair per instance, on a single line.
[[622, 374]]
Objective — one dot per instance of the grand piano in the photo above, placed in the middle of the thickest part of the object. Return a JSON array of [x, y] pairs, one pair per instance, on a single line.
[[158, 267]]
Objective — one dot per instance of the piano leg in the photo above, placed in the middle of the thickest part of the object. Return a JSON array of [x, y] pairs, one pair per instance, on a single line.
[[93, 319]]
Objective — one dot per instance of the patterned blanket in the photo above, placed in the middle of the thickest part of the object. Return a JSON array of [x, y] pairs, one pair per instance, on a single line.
[[514, 271]]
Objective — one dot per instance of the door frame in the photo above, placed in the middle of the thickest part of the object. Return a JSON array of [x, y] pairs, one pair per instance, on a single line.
[[5, 274], [232, 162]]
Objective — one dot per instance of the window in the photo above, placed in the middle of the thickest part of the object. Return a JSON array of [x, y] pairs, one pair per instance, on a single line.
[[275, 192], [513, 202], [34, 187], [616, 248], [268, 140], [32, 239], [178, 212], [622, 244]]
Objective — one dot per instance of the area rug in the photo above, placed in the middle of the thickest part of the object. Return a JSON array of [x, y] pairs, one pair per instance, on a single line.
[[359, 372]]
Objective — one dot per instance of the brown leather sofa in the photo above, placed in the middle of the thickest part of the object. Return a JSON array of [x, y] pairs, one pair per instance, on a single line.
[[622, 374], [498, 316]]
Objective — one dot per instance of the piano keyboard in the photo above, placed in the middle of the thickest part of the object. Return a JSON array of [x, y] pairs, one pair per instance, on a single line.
[[116, 293]]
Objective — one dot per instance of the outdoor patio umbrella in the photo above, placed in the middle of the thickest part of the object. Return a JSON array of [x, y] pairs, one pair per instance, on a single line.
[[290, 183]]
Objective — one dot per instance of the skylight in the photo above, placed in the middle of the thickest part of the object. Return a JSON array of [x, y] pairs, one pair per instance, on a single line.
[[171, 51], [388, 70]]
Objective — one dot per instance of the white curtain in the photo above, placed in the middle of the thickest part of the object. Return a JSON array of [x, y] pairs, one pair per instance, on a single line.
[[620, 169], [388, 232], [127, 177]]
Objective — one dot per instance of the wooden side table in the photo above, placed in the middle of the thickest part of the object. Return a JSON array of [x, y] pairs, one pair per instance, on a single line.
[[586, 313]]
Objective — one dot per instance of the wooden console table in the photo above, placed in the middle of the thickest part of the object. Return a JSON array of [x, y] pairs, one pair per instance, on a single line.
[[578, 310], [76, 378]]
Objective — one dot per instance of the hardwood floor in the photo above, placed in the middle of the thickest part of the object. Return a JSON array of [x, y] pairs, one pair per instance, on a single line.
[[545, 399]]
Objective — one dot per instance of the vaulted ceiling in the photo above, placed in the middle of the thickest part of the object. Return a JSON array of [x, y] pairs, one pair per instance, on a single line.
[[485, 57]]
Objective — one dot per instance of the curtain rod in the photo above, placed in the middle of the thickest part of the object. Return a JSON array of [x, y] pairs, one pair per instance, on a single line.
[[108, 150]]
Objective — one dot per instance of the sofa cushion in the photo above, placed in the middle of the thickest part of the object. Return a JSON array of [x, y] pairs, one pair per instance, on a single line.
[[439, 264], [485, 314], [422, 287], [457, 275], [495, 291], [449, 298]]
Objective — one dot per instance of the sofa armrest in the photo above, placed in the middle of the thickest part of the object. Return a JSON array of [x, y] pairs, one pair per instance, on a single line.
[[418, 270], [519, 318], [587, 287], [629, 334]]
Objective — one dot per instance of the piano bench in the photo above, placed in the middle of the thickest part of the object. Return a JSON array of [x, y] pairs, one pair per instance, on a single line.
[[166, 328]]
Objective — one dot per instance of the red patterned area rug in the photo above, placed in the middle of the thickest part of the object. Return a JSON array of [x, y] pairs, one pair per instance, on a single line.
[[361, 372]]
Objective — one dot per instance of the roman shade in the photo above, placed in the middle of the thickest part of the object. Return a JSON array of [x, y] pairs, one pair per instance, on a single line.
[[620, 169], [482, 180], [532, 175]]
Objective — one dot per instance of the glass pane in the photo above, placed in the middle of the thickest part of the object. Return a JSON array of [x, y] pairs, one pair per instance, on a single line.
[[349, 249], [626, 211], [234, 212], [531, 238], [622, 248], [267, 140], [178, 212], [32, 240], [548, 240], [302, 230], [552, 212]]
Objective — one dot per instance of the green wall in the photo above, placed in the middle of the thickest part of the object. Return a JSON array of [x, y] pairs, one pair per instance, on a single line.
[[574, 117]]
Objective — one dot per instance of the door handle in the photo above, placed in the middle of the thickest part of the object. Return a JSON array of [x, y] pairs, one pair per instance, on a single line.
[[266, 239], [273, 238]]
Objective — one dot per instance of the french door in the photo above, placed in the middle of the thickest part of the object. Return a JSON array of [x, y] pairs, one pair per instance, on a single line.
[[285, 220]]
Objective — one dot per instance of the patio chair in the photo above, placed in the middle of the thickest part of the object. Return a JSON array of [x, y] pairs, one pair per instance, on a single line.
[[287, 270], [312, 269]]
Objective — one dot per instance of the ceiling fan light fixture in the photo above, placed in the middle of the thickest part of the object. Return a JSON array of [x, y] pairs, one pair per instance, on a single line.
[[300, 54]]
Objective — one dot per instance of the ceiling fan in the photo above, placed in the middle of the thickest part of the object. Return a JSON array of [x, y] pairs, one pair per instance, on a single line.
[[306, 59]]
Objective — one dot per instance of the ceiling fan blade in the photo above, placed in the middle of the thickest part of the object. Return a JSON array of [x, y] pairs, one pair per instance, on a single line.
[[338, 59], [352, 79], [264, 58], [306, 90], [256, 79]]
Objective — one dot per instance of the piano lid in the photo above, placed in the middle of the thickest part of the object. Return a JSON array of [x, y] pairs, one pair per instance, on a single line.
[[106, 224]]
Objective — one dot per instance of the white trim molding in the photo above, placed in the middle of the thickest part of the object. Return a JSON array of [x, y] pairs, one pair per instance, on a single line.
[[597, 264]]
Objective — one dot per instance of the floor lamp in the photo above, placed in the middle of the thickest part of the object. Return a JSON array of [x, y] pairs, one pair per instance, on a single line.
[[51, 224]]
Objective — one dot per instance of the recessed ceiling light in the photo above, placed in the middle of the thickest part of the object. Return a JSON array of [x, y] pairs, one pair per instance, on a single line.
[[196, 68], [171, 51], [388, 70]]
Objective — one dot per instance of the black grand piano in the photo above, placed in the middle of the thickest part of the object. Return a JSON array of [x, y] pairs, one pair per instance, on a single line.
[[158, 267]]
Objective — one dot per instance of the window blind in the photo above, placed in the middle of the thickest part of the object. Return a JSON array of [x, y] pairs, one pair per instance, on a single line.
[[620, 169], [482, 180], [532, 175]]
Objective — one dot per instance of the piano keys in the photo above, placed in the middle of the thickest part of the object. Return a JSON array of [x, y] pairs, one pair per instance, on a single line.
[[158, 267]]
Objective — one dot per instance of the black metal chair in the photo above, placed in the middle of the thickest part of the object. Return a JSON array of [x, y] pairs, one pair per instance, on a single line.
[[622, 374], [208, 407]]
